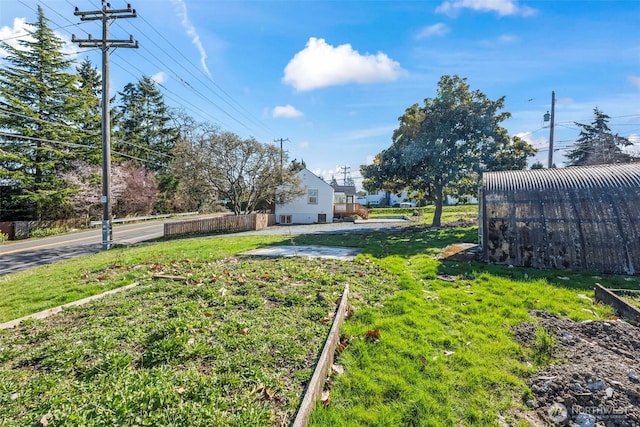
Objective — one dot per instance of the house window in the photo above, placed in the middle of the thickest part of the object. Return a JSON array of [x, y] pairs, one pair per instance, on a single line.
[[285, 219], [322, 218], [312, 197]]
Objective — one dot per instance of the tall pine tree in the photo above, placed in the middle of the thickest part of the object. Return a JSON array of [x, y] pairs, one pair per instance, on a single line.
[[144, 127], [90, 86], [40, 100], [597, 145]]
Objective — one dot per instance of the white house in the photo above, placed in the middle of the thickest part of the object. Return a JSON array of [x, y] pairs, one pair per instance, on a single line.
[[383, 198], [405, 199], [315, 206]]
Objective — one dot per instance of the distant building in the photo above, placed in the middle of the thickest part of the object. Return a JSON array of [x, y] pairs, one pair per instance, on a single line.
[[579, 218]]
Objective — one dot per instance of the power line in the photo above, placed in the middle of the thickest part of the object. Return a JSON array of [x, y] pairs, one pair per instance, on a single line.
[[201, 96], [105, 15], [182, 102], [51, 141], [260, 123], [185, 101], [47, 121]]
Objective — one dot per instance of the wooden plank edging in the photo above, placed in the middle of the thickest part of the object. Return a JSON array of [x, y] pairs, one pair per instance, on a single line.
[[623, 308], [50, 312], [316, 384]]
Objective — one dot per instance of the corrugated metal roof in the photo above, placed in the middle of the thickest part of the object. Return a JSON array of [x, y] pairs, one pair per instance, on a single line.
[[601, 176]]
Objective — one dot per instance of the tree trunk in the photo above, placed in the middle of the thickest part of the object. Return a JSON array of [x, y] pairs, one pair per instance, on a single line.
[[437, 200]]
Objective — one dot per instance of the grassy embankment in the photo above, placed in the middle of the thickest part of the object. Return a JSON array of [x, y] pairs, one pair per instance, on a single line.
[[233, 340]]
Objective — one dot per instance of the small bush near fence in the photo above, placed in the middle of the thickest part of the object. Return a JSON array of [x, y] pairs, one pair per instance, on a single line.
[[45, 232]]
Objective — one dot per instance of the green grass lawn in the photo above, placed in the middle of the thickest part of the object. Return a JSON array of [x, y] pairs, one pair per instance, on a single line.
[[450, 214], [234, 341]]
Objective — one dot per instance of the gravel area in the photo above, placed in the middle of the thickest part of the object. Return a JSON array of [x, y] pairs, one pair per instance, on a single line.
[[595, 380]]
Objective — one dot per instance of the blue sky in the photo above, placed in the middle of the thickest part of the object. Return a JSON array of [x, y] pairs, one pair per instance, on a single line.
[[333, 77]]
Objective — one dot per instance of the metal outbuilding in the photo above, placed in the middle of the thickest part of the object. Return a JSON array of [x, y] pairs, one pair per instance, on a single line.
[[578, 218]]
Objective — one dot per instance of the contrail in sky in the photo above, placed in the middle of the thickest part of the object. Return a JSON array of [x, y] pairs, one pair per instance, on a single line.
[[191, 31]]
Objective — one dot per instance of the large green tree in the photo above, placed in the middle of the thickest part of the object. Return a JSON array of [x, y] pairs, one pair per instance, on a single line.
[[90, 87], [144, 130], [597, 145], [445, 144], [41, 110]]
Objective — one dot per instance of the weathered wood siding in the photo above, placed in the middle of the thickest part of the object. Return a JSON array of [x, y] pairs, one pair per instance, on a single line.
[[579, 218], [222, 224]]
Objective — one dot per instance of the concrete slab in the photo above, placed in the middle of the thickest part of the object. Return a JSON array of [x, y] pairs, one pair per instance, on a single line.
[[312, 251]]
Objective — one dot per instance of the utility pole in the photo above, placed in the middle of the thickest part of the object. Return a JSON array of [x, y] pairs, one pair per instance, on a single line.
[[281, 156], [551, 125], [106, 14], [345, 168]]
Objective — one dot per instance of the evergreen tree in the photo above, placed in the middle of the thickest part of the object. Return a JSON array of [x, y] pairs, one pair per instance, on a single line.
[[90, 87], [296, 166], [143, 126], [40, 102], [537, 165], [597, 144]]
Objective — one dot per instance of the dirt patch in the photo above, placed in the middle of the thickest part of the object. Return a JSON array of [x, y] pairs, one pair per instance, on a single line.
[[595, 379], [461, 252]]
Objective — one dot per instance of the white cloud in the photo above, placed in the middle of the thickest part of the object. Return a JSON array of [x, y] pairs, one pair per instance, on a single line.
[[635, 80], [286, 111], [537, 141], [20, 31], [503, 7], [160, 77], [304, 145], [12, 35], [191, 32], [508, 38], [504, 39], [438, 29], [326, 174], [320, 64]]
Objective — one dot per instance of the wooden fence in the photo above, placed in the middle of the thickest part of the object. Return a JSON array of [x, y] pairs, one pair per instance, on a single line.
[[221, 224]]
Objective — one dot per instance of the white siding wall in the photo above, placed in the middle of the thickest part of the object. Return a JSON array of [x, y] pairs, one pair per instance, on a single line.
[[300, 210]]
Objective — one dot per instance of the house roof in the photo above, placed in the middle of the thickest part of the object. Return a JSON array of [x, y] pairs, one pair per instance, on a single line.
[[306, 173], [349, 190], [601, 176]]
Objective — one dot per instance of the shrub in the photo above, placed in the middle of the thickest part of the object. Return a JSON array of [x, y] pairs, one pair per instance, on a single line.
[[45, 232]]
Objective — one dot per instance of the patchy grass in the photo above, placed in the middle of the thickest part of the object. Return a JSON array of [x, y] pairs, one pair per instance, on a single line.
[[633, 300], [51, 285], [234, 340], [446, 353]]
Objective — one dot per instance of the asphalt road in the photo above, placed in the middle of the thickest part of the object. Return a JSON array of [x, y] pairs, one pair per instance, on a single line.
[[23, 254]]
